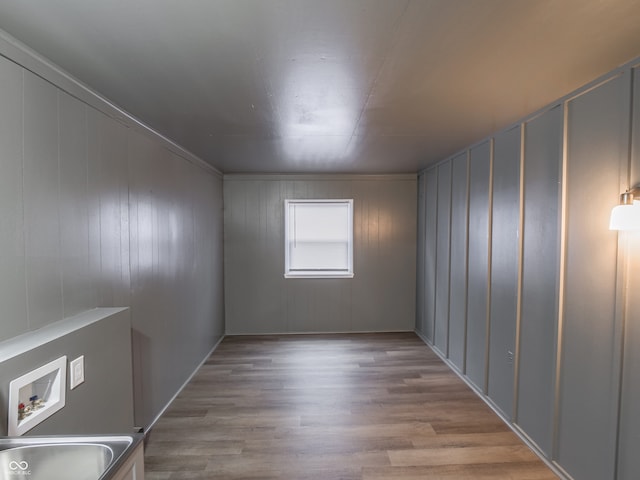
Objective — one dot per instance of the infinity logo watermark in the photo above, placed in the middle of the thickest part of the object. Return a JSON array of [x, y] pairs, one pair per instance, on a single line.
[[19, 468], [13, 465]]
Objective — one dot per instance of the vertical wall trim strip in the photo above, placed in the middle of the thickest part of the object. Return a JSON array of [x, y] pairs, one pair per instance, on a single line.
[[425, 317], [561, 277], [466, 262], [423, 295], [435, 260], [418, 247], [87, 186], [516, 360], [24, 210], [59, 192], [129, 161], [489, 259]]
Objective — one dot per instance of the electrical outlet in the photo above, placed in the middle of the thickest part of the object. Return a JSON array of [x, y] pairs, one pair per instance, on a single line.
[[76, 372]]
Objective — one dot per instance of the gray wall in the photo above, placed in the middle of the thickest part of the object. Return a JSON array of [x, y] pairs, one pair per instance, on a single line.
[[479, 258], [503, 288], [458, 272], [629, 460], [430, 182], [539, 298], [380, 297], [95, 211], [552, 329]]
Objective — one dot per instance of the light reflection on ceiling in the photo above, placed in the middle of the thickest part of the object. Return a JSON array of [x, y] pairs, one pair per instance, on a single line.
[[339, 86]]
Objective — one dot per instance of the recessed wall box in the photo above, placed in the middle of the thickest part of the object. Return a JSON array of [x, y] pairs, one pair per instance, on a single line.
[[36, 396]]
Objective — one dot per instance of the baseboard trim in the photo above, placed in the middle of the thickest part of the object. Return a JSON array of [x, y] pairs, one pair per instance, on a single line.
[[147, 430], [336, 332], [557, 469]]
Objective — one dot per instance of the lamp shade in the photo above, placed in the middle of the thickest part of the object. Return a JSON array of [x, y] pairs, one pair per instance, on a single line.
[[625, 217]]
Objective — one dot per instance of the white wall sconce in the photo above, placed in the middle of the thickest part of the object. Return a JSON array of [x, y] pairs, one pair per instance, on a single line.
[[626, 215]]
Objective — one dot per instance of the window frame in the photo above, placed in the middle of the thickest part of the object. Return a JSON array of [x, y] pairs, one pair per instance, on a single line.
[[288, 272]]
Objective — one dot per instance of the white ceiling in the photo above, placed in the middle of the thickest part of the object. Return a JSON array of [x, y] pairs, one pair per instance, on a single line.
[[362, 86]]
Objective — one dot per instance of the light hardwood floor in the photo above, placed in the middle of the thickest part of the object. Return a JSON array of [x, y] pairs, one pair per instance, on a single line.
[[325, 407]]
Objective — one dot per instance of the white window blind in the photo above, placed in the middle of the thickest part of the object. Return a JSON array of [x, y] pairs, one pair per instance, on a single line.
[[319, 238]]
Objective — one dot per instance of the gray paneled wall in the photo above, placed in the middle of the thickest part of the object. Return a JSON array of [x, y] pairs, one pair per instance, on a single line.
[[95, 213], [41, 197], [629, 440], [76, 252], [537, 343], [13, 294], [380, 297], [443, 243], [479, 263], [109, 199], [547, 288], [431, 218], [458, 280], [597, 147], [176, 261], [505, 237]]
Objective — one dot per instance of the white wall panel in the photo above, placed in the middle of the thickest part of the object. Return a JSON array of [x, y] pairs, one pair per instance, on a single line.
[[597, 144], [540, 270], [381, 296], [42, 202], [479, 254], [13, 292], [505, 249], [443, 229], [458, 294]]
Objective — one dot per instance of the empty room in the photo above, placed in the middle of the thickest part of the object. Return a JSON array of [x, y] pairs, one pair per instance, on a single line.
[[319, 239]]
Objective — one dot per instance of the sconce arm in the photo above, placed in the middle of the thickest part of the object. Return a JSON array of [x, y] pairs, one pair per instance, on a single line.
[[627, 197]]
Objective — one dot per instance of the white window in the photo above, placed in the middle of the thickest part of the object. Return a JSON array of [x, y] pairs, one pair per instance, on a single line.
[[318, 238]]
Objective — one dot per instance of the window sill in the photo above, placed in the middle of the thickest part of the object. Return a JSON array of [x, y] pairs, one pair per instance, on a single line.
[[318, 275]]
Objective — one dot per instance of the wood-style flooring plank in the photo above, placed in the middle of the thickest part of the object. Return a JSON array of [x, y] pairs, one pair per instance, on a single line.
[[348, 407]]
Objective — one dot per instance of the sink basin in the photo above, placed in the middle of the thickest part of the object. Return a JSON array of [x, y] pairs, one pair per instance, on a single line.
[[61, 458]]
